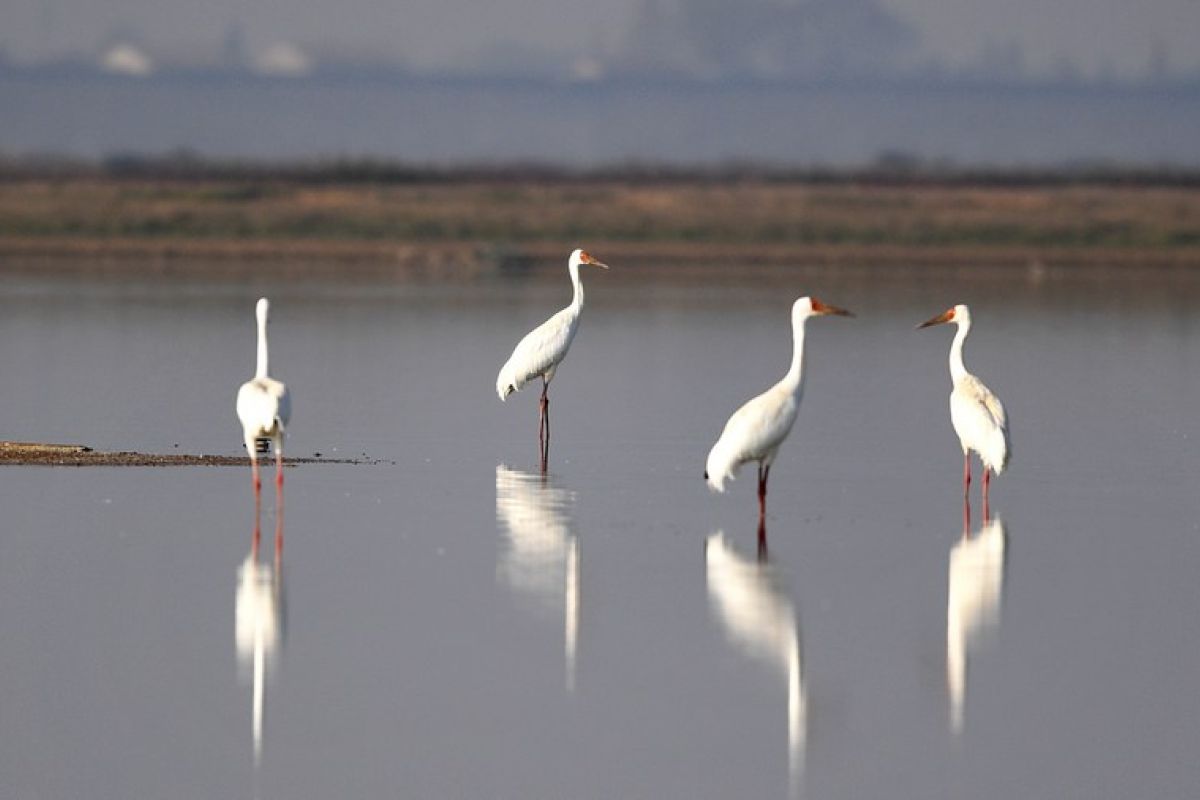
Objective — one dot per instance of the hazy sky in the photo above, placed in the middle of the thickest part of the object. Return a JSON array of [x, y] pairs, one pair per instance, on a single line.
[[1118, 36]]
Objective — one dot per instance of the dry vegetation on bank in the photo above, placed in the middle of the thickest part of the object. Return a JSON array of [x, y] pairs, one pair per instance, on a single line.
[[443, 227]]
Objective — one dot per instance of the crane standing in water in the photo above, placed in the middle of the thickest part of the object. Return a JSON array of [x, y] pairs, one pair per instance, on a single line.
[[540, 352], [978, 416], [758, 428], [264, 408]]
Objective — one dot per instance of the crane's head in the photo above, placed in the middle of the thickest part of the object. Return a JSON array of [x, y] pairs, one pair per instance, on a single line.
[[812, 307], [582, 257], [262, 308], [958, 314]]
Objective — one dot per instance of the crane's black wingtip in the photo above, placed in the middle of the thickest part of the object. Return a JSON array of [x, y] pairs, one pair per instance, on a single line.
[[705, 474]]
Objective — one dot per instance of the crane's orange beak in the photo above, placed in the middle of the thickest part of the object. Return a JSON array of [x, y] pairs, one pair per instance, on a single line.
[[825, 308], [586, 258], [945, 316]]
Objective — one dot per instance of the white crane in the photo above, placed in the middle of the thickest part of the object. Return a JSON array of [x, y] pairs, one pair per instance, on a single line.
[[543, 349], [977, 414], [264, 407], [758, 428]]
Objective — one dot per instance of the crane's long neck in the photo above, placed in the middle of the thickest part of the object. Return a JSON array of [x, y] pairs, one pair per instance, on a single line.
[[794, 380], [261, 371], [577, 298], [957, 369]]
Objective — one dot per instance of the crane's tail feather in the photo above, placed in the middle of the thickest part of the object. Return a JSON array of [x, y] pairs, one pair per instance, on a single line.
[[997, 452], [717, 482], [717, 470]]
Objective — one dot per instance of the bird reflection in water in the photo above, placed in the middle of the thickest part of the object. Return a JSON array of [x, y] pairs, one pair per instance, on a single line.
[[976, 589], [541, 557], [760, 620], [259, 624]]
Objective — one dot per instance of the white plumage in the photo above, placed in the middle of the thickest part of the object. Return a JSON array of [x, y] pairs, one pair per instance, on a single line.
[[978, 416], [264, 405], [758, 428], [540, 352]]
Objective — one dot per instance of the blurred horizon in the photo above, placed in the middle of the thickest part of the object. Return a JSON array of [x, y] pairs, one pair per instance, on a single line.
[[1020, 41], [815, 82]]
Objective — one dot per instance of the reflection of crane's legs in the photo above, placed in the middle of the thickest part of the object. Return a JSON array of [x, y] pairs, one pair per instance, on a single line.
[[278, 497], [278, 465], [254, 542], [763, 474], [987, 484], [544, 424], [966, 516]]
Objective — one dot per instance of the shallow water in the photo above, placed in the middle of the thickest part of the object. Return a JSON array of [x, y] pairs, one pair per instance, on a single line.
[[450, 624]]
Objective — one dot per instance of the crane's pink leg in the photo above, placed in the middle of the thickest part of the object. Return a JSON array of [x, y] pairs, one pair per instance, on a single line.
[[966, 473], [255, 480], [966, 516], [762, 540]]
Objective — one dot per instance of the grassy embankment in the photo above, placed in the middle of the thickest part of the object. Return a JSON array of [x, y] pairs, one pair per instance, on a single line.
[[462, 228]]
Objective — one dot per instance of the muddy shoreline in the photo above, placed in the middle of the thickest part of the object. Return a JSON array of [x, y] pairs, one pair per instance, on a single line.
[[74, 455]]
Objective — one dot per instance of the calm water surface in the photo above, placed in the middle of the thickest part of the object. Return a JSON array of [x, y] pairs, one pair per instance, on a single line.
[[450, 624]]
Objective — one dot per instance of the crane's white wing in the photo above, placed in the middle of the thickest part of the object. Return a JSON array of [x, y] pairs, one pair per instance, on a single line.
[[264, 406], [538, 353], [284, 411], [762, 423], [754, 432], [984, 395], [980, 421]]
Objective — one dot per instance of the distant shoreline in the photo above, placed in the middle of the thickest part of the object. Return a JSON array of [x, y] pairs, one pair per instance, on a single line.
[[894, 169], [669, 229], [461, 263]]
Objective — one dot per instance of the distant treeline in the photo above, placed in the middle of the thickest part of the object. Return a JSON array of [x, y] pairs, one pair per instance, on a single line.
[[888, 169]]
